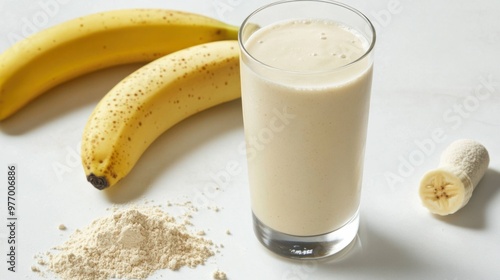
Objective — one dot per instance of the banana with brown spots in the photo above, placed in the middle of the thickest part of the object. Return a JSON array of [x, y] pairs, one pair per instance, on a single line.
[[76, 47], [150, 101]]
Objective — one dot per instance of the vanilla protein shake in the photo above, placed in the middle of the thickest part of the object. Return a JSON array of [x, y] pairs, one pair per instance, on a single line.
[[305, 108]]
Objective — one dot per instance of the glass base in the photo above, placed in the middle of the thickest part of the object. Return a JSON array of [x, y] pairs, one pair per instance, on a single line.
[[306, 247]]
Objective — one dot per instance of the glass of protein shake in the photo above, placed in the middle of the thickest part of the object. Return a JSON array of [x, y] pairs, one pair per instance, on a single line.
[[306, 74]]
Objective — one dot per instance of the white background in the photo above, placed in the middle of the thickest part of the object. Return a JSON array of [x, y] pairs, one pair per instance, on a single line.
[[437, 72]]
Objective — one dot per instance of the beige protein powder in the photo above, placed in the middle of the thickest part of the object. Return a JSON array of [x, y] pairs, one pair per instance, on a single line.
[[132, 243]]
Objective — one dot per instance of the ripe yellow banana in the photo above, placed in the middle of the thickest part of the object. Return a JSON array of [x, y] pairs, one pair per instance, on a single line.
[[153, 99], [70, 49], [448, 188]]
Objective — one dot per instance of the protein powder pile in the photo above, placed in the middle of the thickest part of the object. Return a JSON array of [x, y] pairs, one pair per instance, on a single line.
[[131, 244]]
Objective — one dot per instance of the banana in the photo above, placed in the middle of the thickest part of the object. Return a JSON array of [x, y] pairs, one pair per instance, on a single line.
[[150, 101], [76, 47], [448, 188]]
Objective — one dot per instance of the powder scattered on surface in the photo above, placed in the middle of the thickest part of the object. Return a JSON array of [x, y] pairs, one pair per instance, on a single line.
[[219, 275], [131, 243]]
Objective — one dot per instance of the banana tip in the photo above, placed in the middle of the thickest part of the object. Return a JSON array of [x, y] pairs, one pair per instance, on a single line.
[[99, 183]]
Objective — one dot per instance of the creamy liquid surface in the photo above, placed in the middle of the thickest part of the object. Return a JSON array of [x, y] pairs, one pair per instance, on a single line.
[[305, 144], [307, 46]]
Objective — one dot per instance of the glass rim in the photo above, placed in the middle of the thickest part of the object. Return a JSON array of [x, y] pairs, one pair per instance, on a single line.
[[354, 10]]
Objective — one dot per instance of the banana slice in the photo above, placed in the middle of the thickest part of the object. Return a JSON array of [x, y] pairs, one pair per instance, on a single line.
[[448, 188], [443, 192]]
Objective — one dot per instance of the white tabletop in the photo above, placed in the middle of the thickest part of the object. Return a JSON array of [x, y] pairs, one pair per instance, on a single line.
[[437, 72]]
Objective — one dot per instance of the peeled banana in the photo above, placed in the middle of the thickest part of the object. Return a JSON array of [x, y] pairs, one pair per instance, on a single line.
[[70, 49], [150, 101], [448, 188]]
